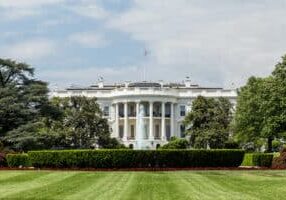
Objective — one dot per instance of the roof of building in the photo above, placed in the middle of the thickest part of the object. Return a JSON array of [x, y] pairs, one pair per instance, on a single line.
[[142, 84]]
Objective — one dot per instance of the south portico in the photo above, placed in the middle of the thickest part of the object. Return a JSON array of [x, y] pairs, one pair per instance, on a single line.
[[159, 116]]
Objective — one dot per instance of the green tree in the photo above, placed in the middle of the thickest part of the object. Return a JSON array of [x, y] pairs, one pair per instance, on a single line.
[[208, 122], [21, 97], [261, 108], [82, 123], [28, 120]]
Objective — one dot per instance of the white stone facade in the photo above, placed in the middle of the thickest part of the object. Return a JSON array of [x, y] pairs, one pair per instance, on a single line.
[[165, 107]]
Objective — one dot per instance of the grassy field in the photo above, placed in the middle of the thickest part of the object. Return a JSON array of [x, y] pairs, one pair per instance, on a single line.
[[143, 185]]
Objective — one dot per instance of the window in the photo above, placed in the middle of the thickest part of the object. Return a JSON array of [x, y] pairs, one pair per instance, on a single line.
[[157, 131], [121, 110], [132, 131], [121, 129], [132, 111], [168, 132], [106, 111], [182, 131], [182, 111], [168, 110]]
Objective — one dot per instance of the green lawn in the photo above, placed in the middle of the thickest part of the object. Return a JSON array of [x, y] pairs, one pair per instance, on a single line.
[[143, 185]]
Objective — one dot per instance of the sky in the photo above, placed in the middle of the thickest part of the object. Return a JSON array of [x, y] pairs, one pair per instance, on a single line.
[[216, 43]]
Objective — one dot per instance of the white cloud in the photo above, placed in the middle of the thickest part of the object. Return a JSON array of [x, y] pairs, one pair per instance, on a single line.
[[18, 9], [29, 50], [92, 10], [215, 42], [27, 3], [16, 14], [89, 39]]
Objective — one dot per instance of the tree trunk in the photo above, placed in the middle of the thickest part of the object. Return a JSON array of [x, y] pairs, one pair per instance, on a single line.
[[269, 144]]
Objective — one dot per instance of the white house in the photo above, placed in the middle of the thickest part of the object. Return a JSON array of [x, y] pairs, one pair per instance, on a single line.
[[146, 111]]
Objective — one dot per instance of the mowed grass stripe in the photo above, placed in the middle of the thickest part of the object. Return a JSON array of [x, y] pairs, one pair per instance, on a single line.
[[265, 184], [4, 175], [230, 188], [263, 181], [118, 188], [20, 177], [244, 185], [15, 187], [148, 185], [108, 187], [61, 188], [197, 186], [180, 185], [234, 186]]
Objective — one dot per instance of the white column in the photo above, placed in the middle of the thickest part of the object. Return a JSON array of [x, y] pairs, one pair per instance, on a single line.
[[137, 118], [125, 121], [116, 120], [163, 128], [151, 135], [172, 120]]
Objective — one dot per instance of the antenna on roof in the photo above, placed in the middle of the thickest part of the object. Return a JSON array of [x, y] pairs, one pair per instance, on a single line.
[[146, 53], [100, 79], [232, 85]]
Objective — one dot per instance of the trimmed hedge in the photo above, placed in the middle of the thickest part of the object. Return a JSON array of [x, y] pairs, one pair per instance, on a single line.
[[257, 159], [135, 158], [17, 160], [262, 160], [247, 160]]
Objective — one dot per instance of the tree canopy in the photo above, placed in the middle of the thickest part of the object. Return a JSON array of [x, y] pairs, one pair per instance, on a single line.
[[208, 122], [29, 120], [261, 107], [83, 122], [22, 98]]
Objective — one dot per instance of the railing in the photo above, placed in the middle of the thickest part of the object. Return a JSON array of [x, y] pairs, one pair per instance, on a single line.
[[147, 91]]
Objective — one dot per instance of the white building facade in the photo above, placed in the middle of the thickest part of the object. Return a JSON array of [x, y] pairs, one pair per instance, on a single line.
[[162, 106]]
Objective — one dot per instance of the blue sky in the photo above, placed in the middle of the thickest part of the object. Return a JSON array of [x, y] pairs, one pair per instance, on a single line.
[[216, 43]]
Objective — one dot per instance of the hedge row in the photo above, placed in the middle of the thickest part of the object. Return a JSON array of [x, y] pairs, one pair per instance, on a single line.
[[135, 158], [257, 159], [17, 160]]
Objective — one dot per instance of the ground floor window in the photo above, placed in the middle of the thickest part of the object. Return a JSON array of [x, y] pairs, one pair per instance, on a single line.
[[106, 111], [157, 131], [121, 131], [168, 132], [132, 131], [182, 131]]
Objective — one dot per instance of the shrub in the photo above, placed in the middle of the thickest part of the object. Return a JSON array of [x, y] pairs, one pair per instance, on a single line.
[[257, 159], [176, 143], [230, 144], [277, 145], [280, 161], [113, 143], [124, 158], [16, 160]]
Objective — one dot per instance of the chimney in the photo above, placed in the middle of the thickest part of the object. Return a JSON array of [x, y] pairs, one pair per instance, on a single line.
[[126, 84], [100, 84], [161, 82], [187, 82]]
